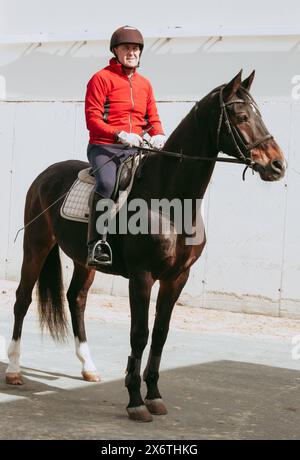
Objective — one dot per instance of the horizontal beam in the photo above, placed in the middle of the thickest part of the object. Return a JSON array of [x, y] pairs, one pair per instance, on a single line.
[[157, 32]]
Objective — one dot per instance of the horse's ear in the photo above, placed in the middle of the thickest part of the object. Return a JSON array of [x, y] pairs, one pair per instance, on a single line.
[[231, 88], [248, 81]]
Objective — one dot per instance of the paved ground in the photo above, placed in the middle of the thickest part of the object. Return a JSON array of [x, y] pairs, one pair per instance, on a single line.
[[217, 384]]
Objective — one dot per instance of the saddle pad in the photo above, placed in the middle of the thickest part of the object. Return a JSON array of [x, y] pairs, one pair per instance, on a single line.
[[76, 203]]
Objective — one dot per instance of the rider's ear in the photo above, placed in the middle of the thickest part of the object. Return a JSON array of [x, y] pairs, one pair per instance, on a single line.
[[231, 88], [248, 81]]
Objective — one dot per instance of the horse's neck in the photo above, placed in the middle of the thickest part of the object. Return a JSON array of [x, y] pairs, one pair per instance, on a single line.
[[188, 179]]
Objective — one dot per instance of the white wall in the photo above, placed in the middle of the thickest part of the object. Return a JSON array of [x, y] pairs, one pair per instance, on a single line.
[[252, 259], [97, 16]]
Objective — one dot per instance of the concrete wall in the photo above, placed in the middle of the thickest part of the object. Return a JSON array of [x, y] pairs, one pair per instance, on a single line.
[[252, 259]]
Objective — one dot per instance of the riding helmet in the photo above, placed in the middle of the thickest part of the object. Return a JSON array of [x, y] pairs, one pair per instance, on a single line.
[[126, 34]]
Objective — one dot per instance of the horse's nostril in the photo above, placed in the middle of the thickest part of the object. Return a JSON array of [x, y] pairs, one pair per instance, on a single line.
[[277, 165]]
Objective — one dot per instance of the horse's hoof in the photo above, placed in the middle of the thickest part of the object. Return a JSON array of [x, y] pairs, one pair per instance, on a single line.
[[14, 378], [139, 414], [90, 376], [156, 406]]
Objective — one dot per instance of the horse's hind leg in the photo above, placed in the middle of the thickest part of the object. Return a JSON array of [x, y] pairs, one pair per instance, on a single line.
[[168, 294], [76, 295], [33, 260]]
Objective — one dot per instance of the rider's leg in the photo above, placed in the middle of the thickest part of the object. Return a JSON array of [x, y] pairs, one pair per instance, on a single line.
[[104, 160], [104, 169]]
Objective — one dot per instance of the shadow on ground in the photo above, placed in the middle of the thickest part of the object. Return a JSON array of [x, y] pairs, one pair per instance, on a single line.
[[216, 400]]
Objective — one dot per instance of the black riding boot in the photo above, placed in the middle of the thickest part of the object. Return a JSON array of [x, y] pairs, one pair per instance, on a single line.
[[99, 251]]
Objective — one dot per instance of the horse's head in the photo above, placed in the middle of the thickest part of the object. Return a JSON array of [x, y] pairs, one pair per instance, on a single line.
[[242, 133]]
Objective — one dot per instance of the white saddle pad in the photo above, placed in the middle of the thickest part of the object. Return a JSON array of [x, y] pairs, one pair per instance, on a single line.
[[76, 203]]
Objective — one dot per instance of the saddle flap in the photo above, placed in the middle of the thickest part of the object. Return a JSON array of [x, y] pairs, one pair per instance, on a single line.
[[125, 175]]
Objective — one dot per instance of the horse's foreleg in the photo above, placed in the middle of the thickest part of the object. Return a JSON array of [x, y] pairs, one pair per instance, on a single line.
[[168, 294], [139, 294], [77, 295]]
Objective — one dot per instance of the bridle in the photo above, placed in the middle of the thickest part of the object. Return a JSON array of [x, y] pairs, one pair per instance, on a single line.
[[243, 150]]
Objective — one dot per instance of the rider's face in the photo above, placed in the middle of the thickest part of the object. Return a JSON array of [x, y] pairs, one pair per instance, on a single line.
[[128, 54]]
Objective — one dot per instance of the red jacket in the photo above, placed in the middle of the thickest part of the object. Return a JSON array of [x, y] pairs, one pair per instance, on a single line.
[[114, 102]]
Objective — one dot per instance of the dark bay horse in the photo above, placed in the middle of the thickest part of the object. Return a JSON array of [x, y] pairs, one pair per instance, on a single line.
[[227, 120]]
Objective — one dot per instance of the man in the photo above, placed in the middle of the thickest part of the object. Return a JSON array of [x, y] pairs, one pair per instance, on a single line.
[[119, 108]]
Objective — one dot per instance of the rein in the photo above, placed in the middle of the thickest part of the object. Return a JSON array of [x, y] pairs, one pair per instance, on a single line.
[[182, 156]]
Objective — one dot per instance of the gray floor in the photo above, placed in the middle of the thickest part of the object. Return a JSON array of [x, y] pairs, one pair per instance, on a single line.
[[216, 386]]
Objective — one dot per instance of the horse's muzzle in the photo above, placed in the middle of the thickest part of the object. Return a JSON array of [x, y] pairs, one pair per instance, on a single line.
[[273, 171]]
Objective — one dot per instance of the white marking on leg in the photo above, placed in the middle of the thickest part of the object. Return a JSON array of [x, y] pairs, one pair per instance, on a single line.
[[83, 353], [13, 353]]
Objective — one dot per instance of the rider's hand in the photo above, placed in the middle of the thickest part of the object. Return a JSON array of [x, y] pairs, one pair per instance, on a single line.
[[158, 141], [131, 139]]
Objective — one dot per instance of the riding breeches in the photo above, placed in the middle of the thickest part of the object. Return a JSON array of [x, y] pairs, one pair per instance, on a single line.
[[105, 159]]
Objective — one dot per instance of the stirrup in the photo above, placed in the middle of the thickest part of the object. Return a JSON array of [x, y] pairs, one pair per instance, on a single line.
[[104, 248]]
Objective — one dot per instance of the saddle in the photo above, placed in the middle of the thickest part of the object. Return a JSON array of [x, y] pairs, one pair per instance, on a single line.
[[76, 203]]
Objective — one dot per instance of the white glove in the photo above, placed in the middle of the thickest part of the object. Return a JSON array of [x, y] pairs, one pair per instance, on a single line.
[[158, 141], [132, 139]]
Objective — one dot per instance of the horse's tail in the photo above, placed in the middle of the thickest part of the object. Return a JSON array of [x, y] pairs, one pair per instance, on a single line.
[[51, 297]]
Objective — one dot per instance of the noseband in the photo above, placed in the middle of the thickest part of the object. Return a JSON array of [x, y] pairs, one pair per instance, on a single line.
[[243, 150]]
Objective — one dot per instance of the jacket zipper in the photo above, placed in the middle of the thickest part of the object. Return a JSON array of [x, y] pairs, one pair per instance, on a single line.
[[132, 101]]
